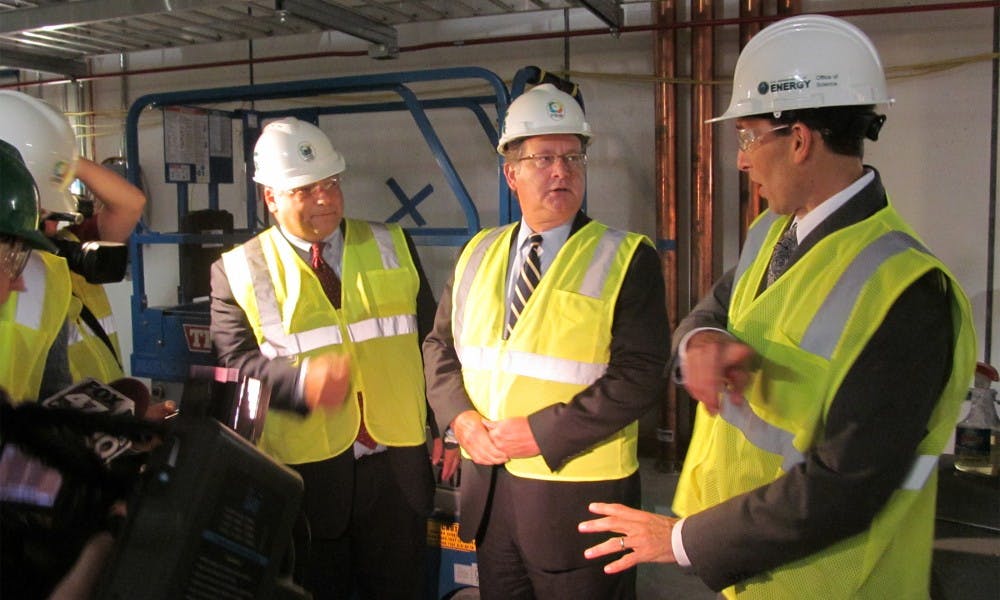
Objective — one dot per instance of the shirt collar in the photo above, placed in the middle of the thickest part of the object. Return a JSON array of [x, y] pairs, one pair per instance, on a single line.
[[819, 214], [331, 252], [552, 240]]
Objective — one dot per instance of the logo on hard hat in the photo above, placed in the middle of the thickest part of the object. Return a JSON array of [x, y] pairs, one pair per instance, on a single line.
[[783, 85], [306, 152], [59, 170], [556, 110]]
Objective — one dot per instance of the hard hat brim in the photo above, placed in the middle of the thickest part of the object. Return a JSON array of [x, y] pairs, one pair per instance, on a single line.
[[37, 240]]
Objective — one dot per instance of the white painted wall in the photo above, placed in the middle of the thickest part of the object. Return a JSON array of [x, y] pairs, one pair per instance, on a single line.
[[934, 154]]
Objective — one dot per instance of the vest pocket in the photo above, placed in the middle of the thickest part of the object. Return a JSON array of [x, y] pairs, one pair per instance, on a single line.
[[389, 291], [576, 324]]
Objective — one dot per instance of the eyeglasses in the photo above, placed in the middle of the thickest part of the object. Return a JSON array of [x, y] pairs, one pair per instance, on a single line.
[[14, 256], [575, 161], [748, 138], [306, 192]]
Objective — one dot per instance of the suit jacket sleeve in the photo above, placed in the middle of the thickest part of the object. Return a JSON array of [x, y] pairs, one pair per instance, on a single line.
[[876, 420], [236, 345], [426, 309], [442, 369]]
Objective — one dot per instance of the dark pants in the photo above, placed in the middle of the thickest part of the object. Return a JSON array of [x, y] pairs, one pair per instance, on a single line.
[[381, 555], [506, 574]]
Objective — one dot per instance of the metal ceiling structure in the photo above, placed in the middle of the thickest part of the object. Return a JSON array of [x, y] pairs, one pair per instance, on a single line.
[[58, 36]]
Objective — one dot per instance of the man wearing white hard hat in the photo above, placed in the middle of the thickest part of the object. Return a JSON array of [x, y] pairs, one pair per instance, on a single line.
[[549, 344], [329, 312], [829, 365]]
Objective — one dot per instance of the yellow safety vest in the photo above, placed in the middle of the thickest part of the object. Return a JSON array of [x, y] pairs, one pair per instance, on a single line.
[[30, 322], [561, 344], [89, 356], [376, 325], [843, 288]]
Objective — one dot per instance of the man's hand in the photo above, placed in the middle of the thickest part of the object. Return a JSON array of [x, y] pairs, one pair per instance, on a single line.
[[446, 456], [513, 437], [645, 536], [160, 411], [716, 365], [472, 434], [327, 379]]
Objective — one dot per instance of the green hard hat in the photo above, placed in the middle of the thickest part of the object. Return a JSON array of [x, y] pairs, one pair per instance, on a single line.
[[19, 200]]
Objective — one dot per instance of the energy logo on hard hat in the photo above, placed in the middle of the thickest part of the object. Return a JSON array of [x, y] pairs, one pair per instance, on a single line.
[[783, 85], [556, 110], [306, 152]]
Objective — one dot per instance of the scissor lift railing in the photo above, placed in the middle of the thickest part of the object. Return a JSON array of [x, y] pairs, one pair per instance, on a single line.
[[167, 340]]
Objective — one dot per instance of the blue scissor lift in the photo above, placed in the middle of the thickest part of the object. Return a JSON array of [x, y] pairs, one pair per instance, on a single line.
[[168, 340]]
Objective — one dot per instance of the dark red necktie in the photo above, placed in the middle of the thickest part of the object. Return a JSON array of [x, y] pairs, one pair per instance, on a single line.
[[331, 286], [325, 273]]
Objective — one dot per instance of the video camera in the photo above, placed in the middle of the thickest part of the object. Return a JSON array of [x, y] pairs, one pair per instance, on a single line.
[[202, 501], [98, 262]]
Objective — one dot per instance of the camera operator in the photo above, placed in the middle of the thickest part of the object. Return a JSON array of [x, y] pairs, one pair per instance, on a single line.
[[73, 333], [19, 234]]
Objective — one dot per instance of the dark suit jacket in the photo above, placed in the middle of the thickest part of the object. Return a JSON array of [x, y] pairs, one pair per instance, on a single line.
[[877, 418], [328, 484], [548, 512]]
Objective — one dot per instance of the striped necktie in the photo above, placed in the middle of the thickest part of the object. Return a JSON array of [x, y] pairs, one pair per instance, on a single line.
[[782, 253], [527, 280]]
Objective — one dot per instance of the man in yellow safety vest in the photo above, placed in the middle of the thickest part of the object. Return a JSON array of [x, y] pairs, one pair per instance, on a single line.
[[549, 344], [829, 365]]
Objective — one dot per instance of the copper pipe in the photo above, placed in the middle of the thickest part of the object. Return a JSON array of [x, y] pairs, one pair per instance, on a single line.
[[665, 100], [787, 8], [751, 204], [702, 107]]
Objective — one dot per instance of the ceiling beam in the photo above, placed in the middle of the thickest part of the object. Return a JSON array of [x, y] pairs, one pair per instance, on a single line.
[[17, 59], [89, 11], [609, 11], [331, 17]]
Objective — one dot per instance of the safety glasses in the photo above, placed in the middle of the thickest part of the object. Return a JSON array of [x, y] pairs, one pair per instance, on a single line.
[[14, 256], [748, 138]]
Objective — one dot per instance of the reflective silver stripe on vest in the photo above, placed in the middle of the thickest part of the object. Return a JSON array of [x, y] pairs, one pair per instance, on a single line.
[[754, 242], [760, 433], [303, 341], [76, 333], [600, 265], [920, 471], [828, 323], [108, 324], [538, 366], [386, 247], [381, 327], [276, 341], [821, 338], [30, 303], [75, 336], [464, 283]]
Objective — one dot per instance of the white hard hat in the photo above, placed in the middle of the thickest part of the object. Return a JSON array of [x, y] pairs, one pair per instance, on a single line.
[[44, 137], [806, 61], [543, 110], [291, 153]]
